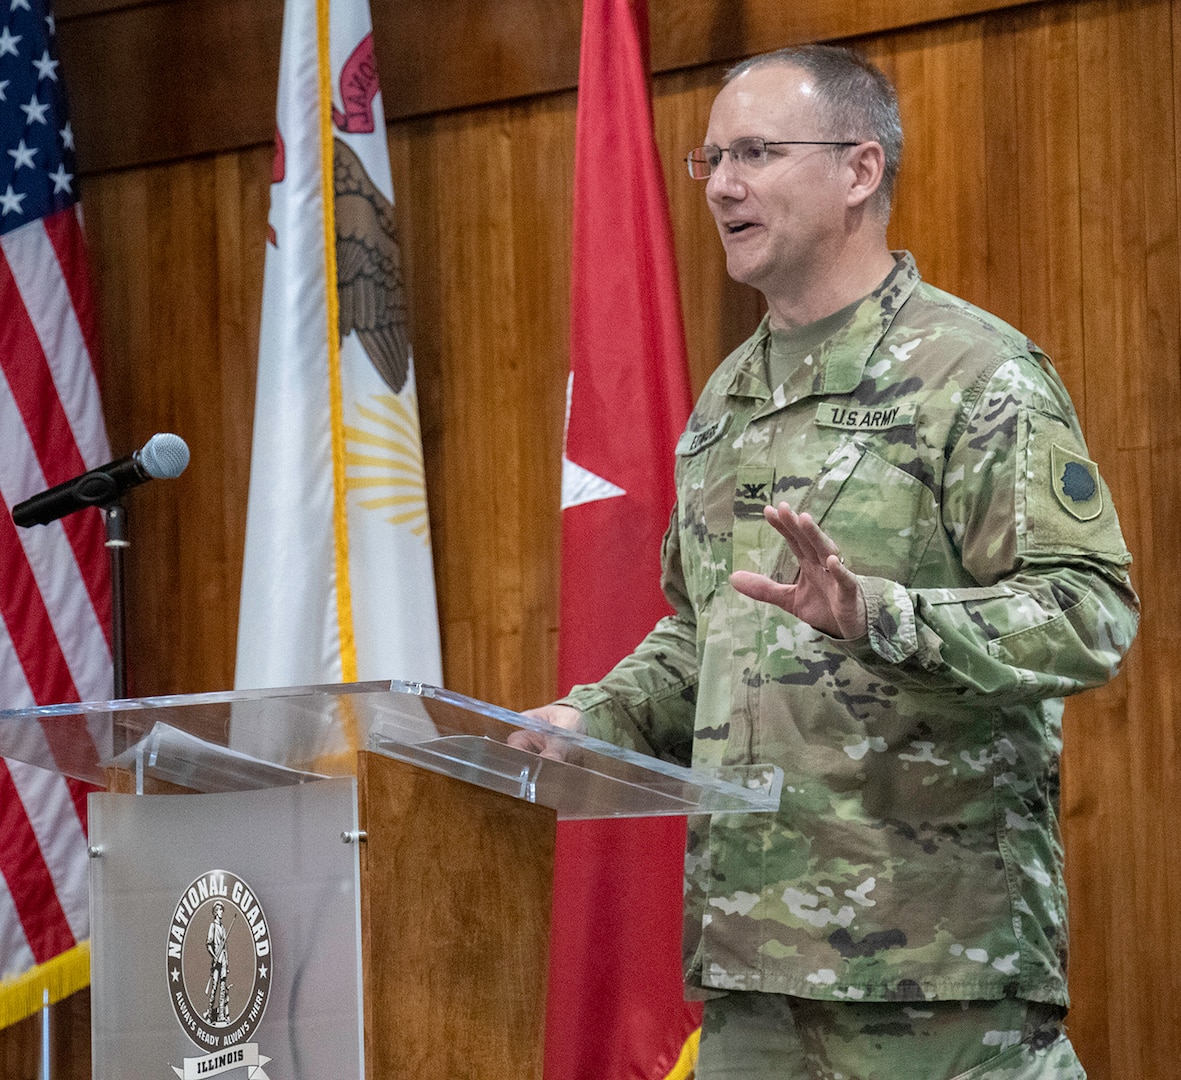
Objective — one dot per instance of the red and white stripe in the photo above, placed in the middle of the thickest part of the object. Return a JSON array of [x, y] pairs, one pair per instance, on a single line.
[[55, 600]]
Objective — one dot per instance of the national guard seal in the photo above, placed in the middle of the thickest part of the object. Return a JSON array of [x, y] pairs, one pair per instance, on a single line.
[[219, 968]]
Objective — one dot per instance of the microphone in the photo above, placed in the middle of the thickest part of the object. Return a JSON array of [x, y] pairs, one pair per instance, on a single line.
[[163, 457]]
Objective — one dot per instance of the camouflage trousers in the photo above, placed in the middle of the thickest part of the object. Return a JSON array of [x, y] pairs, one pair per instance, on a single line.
[[750, 1036]]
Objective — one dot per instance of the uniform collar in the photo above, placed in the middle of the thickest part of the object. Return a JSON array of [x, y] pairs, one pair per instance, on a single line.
[[838, 365]]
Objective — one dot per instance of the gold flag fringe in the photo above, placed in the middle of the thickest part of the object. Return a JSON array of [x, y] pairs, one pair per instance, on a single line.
[[24, 995]]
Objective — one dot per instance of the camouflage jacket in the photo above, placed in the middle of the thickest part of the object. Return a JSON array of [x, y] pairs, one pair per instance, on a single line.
[[916, 852]]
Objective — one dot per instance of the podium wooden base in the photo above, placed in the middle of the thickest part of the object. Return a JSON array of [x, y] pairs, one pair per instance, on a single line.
[[456, 888]]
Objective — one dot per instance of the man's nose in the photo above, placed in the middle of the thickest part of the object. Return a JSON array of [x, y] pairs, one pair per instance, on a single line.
[[725, 182]]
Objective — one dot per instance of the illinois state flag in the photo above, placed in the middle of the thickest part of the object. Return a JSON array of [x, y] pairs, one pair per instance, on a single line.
[[54, 581], [616, 1006], [337, 580]]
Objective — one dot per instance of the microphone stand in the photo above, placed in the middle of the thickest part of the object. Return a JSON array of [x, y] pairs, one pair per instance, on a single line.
[[117, 544]]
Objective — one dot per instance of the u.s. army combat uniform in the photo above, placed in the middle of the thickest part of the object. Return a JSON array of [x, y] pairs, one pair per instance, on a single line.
[[916, 853]]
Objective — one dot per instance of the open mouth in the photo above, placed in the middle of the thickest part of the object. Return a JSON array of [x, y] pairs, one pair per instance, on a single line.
[[738, 226]]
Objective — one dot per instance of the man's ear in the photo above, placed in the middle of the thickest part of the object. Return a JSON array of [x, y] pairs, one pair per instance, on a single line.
[[867, 161]]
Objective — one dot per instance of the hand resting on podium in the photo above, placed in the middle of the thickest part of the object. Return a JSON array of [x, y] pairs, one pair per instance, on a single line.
[[565, 717]]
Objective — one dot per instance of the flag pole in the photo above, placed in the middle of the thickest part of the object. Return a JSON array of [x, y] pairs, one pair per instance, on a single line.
[[117, 543], [45, 1066]]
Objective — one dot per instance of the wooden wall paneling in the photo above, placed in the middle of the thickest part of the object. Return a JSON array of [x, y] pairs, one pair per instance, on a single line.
[[69, 1043], [1100, 843], [67, 10], [1114, 222], [186, 393], [241, 191], [179, 388], [212, 65], [472, 168], [490, 222], [163, 81], [542, 198], [116, 224], [940, 207], [693, 32], [115, 221], [178, 257], [1132, 357], [1131, 320], [1003, 157], [443, 57], [1045, 174], [431, 237], [522, 393]]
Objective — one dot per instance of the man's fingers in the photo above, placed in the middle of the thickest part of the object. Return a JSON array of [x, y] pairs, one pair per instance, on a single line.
[[759, 587], [785, 522], [817, 541], [537, 742], [808, 542]]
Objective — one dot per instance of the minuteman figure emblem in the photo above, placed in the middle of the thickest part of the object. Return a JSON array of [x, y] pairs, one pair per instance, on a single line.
[[219, 991], [219, 961]]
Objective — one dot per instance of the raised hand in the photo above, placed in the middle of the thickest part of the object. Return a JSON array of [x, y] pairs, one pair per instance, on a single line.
[[825, 594]]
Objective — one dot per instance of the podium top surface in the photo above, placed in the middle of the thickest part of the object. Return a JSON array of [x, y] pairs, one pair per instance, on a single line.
[[245, 740]]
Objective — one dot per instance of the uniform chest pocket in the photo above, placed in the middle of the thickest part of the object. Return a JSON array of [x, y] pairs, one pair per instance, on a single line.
[[880, 516]]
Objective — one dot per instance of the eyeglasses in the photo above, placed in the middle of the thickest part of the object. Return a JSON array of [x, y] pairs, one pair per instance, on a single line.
[[748, 153]]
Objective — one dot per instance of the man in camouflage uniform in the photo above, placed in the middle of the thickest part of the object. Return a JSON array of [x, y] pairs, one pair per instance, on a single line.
[[890, 559]]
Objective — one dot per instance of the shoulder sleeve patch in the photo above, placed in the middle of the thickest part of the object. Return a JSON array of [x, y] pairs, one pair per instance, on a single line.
[[1075, 480], [1066, 505]]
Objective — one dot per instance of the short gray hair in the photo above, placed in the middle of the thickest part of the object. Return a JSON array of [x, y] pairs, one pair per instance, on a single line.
[[856, 100]]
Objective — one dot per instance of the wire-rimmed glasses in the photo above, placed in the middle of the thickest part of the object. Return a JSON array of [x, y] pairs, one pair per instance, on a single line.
[[747, 153]]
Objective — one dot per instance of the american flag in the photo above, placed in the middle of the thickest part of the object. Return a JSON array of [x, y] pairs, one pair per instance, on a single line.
[[54, 580]]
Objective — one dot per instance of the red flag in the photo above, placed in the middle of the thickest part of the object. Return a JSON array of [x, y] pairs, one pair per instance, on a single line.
[[616, 1006], [55, 602]]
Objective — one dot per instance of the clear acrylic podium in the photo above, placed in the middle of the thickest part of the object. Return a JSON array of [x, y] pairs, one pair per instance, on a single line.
[[365, 866]]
